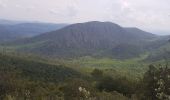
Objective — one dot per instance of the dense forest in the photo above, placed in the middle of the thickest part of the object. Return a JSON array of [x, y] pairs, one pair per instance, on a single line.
[[25, 78]]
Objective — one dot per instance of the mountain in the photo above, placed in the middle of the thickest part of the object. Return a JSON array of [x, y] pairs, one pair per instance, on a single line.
[[161, 49], [6, 34], [140, 33], [10, 22], [23, 30], [90, 38], [32, 29]]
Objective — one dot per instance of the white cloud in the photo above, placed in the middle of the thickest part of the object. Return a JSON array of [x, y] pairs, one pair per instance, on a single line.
[[68, 12], [71, 11], [18, 6], [53, 11], [125, 4], [2, 5]]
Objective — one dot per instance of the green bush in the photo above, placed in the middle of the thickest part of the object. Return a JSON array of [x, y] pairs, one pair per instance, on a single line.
[[78, 89]]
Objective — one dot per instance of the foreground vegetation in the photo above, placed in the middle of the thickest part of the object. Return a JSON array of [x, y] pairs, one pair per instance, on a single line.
[[23, 78]]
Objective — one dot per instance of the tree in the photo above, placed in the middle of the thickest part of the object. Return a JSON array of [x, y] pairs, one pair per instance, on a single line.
[[97, 74], [156, 84], [121, 85]]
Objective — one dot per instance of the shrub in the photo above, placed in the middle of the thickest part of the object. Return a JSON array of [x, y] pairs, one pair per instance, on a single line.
[[78, 89]]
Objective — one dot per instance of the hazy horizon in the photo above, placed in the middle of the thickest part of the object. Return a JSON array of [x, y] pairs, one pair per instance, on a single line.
[[149, 15]]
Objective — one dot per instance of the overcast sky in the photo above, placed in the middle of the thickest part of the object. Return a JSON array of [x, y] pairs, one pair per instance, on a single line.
[[151, 15]]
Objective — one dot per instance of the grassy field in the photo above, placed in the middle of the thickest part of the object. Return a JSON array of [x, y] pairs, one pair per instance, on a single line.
[[131, 68]]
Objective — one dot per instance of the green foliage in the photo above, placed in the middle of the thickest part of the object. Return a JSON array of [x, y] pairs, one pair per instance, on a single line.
[[22, 78], [121, 85], [78, 89], [111, 96], [14, 87], [97, 74], [28, 78], [124, 51], [156, 83], [133, 69], [37, 70], [160, 53]]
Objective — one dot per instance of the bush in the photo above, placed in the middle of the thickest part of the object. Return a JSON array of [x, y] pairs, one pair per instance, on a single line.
[[97, 74], [121, 85], [78, 89]]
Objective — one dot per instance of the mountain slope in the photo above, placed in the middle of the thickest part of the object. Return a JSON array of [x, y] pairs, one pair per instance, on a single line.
[[140, 33], [91, 38], [22, 30], [9, 22], [161, 50], [36, 70], [32, 29]]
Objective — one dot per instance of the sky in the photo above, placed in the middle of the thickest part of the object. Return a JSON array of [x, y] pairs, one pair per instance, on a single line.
[[150, 15]]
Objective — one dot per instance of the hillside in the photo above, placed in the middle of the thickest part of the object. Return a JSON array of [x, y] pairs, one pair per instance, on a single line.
[[36, 70], [160, 53], [140, 33], [10, 22], [10, 32], [22, 77], [7, 35], [81, 39]]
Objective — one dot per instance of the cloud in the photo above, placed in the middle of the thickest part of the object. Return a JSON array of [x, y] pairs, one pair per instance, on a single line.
[[18, 6], [146, 14], [2, 5], [54, 12], [71, 11], [67, 12], [125, 4], [30, 8]]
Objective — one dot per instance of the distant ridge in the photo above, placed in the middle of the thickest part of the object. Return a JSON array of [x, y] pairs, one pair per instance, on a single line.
[[90, 38], [12, 30]]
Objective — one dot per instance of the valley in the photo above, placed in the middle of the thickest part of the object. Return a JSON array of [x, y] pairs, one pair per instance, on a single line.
[[83, 61]]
